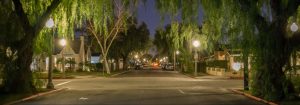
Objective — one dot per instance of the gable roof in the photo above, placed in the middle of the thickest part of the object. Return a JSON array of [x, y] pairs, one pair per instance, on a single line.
[[74, 44]]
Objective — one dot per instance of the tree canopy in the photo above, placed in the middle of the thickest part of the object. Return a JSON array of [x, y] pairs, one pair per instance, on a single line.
[[258, 27]]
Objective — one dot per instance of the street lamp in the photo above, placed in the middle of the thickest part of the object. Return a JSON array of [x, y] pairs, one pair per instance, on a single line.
[[196, 44], [175, 53], [50, 24], [236, 66], [63, 43], [136, 56], [294, 27]]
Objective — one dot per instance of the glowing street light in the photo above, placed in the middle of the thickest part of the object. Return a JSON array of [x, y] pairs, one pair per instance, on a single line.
[[63, 43], [50, 23], [136, 56], [177, 52], [294, 27], [196, 43], [236, 66]]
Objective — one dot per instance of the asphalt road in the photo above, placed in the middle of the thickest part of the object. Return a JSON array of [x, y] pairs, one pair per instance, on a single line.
[[146, 87]]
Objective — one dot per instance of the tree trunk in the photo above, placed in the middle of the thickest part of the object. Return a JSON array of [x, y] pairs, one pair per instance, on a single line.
[[18, 76], [269, 80], [246, 71], [125, 66], [106, 66]]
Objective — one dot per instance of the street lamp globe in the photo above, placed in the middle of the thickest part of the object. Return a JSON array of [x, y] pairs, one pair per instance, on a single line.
[[196, 43], [177, 52], [63, 42], [136, 56], [236, 66], [294, 27], [50, 23]]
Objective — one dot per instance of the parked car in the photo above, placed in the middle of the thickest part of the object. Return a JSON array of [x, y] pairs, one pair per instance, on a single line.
[[168, 66], [138, 66]]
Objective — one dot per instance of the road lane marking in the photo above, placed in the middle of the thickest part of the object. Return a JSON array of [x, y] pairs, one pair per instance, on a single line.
[[63, 83], [83, 98], [181, 91]]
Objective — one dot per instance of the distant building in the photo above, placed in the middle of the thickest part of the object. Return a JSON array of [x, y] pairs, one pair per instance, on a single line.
[[75, 52], [225, 62]]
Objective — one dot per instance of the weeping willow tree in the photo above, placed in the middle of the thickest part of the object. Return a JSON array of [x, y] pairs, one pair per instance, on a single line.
[[184, 28], [106, 25], [22, 30], [24, 20], [178, 37], [260, 28]]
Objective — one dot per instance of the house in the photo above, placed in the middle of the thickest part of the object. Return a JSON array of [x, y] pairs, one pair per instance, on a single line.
[[74, 53], [225, 62]]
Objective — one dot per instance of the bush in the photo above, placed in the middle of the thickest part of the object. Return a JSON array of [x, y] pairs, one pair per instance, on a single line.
[[296, 82], [217, 63], [55, 70], [37, 81]]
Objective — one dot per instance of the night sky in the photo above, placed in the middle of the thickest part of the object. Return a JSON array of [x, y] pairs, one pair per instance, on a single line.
[[150, 15]]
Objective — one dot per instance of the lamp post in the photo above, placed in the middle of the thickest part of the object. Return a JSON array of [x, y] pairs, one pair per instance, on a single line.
[[175, 53], [50, 24], [63, 43], [294, 28], [196, 44]]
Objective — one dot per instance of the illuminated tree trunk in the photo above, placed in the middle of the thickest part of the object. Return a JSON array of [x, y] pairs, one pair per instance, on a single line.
[[125, 66], [17, 74], [106, 66]]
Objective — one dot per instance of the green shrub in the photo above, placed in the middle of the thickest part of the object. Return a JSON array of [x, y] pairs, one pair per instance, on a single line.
[[55, 70], [296, 82], [217, 63], [37, 81]]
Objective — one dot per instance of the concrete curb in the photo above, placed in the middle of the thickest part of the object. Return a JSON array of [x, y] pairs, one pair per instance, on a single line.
[[253, 97], [37, 95], [120, 73]]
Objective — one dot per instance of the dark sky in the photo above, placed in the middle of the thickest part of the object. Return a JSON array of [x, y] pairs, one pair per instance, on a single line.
[[150, 15]]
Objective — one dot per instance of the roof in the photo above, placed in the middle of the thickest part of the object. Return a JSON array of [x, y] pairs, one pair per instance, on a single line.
[[74, 44]]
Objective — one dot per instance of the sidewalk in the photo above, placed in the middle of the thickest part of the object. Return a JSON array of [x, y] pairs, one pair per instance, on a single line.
[[211, 77], [205, 76]]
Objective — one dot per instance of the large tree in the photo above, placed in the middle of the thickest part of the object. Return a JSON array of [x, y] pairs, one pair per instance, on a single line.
[[107, 25], [23, 21], [260, 27]]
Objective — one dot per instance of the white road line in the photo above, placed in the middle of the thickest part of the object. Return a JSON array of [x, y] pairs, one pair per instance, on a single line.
[[62, 83], [181, 91], [83, 98]]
